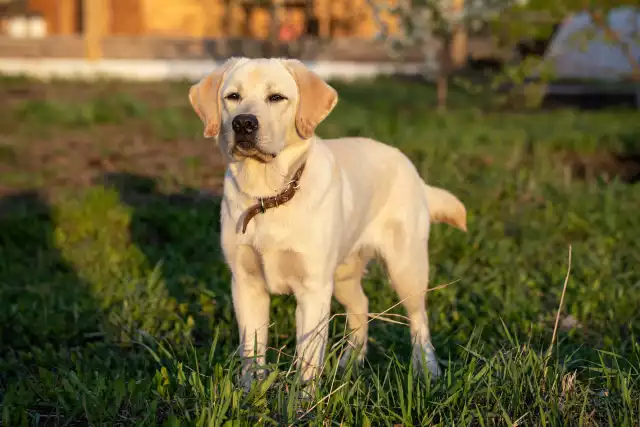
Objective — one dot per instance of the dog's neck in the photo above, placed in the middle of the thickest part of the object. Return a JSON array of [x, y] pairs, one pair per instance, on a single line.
[[256, 179]]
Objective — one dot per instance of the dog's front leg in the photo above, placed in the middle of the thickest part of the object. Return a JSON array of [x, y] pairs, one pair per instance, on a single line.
[[312, 327], [251, 306]]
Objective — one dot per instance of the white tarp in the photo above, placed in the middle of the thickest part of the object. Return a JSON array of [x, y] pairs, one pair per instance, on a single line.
[[580, 48]]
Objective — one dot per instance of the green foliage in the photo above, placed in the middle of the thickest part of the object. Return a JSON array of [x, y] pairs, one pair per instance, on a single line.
[[512, 86], [115, 306], [431, 24]]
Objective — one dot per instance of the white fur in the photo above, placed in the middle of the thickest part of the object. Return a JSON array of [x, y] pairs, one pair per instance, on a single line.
[[357, 198]]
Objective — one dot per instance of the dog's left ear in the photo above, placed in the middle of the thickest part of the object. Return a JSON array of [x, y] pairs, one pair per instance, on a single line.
[[316, 98], [205, 98]]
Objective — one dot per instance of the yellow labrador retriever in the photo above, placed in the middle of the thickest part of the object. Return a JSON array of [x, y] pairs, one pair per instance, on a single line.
[[304, 215]]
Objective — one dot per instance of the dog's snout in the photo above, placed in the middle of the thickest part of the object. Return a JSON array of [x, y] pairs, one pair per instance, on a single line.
[[245, 124]]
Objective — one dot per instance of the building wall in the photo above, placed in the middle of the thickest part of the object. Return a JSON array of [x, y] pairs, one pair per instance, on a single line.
[[62, 16], [127, 17], [182, 18], [206, 18]]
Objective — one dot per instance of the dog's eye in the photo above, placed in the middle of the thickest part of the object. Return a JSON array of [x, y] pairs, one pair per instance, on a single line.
[[233, 96], [276, 97]]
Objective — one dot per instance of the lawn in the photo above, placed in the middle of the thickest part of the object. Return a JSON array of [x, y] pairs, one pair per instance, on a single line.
[[115, 306]]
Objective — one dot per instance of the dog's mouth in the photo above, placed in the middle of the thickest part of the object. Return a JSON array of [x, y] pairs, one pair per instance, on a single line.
[[242, 149]]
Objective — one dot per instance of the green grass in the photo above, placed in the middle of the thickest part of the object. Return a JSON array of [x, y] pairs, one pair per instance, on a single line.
[[115, 306]]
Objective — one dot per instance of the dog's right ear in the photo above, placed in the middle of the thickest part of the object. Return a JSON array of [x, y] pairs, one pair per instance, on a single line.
[[205, 98], [316, 98]]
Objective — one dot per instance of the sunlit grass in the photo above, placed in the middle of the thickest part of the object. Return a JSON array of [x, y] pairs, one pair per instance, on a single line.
[[115, 306]]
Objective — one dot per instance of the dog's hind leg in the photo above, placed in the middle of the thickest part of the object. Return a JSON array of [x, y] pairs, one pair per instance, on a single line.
[[348, 291], [407, 259]]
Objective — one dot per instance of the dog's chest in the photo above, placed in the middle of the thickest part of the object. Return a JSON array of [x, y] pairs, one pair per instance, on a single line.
[[279, 270], [266, 251]]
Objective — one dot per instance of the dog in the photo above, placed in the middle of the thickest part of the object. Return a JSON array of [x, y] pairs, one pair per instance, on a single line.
[[304, 216]]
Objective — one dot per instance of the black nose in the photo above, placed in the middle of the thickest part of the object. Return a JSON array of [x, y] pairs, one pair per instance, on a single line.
[[245, 124]]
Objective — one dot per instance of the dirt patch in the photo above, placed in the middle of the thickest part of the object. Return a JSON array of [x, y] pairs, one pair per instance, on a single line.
[[15, 91], [72, 160], [604, 165], [69, 135]]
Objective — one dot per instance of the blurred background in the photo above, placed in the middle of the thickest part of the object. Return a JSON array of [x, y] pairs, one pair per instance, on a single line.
[[521, 40]]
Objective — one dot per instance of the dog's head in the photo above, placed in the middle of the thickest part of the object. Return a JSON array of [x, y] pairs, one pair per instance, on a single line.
[[257, 107]]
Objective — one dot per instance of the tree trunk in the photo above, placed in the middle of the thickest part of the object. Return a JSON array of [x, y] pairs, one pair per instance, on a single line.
[[442, 88], [459, 41], [444, 68], [274, 27]]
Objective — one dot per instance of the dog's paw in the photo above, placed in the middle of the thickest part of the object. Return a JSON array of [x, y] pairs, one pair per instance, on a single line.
[[351, 355], [249, 377], [434, 369], [424, 358]]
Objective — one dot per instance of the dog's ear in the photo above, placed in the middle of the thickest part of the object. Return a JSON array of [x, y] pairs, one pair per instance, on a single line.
[[205, 98], [316, 98]]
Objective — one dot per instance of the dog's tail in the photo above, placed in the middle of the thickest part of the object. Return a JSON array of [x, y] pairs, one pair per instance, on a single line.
[[445, 207]]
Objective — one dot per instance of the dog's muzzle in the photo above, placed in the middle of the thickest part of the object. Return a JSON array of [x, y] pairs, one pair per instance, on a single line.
[[245, 127]]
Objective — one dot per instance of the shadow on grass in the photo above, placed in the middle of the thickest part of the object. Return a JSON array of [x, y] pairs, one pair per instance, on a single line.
[[179, 233], [43, 303]]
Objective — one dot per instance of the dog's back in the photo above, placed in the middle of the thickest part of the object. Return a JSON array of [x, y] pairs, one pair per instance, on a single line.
[[382, 175]]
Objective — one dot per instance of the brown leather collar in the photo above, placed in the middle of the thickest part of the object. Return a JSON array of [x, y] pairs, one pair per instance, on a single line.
[[265, 203]]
